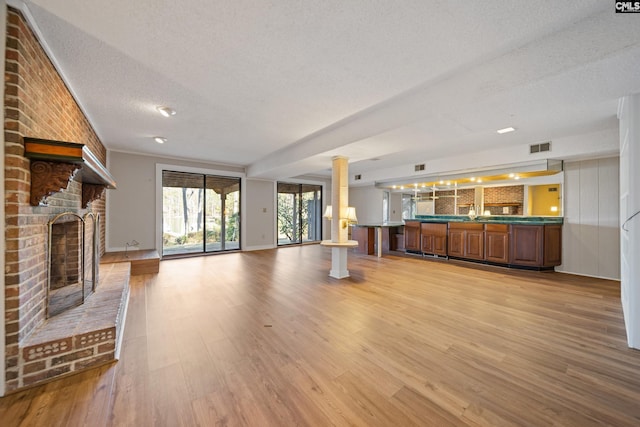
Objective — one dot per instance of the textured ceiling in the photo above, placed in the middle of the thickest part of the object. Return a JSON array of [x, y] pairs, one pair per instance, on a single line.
[[280, 87]]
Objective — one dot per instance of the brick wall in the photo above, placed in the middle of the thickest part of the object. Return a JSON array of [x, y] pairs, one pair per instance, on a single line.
[[445, 203], [507, 194], [39, 105]]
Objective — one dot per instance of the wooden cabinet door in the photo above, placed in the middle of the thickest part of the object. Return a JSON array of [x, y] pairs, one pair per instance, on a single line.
[[527, 245], [440, 244], [497, 247], [474, 244], [456, 242], [427, 243], [552, 245], [366, 239], [412, 236], [434, 238]]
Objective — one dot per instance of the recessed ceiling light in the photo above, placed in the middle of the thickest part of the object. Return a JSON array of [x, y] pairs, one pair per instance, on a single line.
[[506, 130], [160, 139], [472, 179], [479, 180], [166, 111], [516, 177], [511, 175]]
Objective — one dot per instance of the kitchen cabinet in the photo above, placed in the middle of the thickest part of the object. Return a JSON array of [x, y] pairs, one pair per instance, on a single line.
[[433, 237], [552, 254], [522, 244], [496, 243], [536, 245], [412, 236], [466, 240], [366, 239]]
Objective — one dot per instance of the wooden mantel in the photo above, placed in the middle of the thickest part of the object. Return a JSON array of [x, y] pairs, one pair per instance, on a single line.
[[55, 163]]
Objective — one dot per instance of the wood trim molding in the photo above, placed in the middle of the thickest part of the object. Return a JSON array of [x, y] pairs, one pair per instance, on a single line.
[[55, 163], [91, 192], [48, 178]]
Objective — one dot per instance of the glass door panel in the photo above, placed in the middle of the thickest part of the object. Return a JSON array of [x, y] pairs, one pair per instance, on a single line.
[[232, 221], [299, 213], [213, 224], [223, 213], [182, 201], [200, 213], [310, 213]]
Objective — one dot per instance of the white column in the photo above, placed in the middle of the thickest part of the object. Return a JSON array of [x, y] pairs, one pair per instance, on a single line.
[[339, 263], [629, 115], [339, 204]]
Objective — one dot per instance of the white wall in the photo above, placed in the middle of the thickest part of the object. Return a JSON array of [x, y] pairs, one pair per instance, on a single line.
[[131, 208], [590, 235], [368, 203], [629, 115], [260, 214]]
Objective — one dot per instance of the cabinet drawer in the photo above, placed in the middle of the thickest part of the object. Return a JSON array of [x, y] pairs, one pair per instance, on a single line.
[[504, 228], [433, 228], [466, 226]]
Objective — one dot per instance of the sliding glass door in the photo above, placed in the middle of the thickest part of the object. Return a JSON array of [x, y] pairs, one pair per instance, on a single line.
[[299, 213], [200, 213]]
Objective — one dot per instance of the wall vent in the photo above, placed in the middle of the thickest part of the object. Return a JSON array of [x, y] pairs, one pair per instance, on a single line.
[[540, 148], [419, 168], [357, 177]]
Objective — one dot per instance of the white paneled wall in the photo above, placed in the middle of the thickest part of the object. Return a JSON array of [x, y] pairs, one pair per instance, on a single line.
[[591, 237], [629, 115]]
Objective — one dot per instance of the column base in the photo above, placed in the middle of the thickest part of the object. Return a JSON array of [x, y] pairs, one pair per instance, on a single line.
[[339, 263]]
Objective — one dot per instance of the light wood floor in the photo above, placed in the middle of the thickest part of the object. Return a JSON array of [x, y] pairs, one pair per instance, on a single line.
[[268, 339]]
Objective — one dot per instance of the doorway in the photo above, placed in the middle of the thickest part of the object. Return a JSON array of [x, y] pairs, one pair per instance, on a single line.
[[200, 213]]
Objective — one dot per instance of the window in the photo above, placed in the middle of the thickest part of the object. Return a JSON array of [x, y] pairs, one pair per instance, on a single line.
[[408, 206], [200, 213], [299, 213], [386, 207]]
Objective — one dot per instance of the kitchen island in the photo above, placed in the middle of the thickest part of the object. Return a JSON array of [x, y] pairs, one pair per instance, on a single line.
[[378, 237]]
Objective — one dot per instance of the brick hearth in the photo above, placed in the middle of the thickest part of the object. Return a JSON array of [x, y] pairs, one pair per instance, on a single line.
[[83, 337]]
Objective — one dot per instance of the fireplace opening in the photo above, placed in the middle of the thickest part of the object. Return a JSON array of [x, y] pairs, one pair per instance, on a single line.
[[73, 262]]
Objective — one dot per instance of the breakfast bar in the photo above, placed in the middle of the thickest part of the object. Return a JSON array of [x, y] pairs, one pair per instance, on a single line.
[[515, 241]]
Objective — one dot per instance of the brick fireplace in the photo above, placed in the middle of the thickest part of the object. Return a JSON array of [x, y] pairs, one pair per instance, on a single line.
[[39, 105]]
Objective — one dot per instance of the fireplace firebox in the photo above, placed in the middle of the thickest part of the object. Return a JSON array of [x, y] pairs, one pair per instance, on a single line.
[[73, 260]]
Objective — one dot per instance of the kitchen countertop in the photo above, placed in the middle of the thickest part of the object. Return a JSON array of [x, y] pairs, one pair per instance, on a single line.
[[381, 224], [494, 219]]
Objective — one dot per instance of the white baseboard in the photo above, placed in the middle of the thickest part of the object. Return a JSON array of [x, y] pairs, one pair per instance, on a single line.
[[258, 248]]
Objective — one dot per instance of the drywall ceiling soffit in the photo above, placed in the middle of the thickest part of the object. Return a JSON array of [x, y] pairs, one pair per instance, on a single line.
[[281, 87]]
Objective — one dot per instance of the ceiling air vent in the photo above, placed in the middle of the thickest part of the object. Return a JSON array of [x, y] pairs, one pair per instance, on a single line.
[[419, 168], [357, 177], [540, 148]]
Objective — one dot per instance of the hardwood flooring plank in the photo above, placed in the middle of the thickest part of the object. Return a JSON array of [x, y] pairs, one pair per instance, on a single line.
[[267, 338]]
